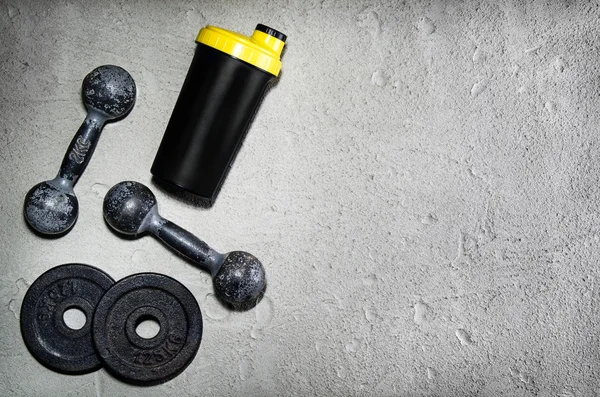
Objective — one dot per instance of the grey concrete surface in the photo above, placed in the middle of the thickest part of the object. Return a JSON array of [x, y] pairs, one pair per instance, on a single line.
[[423, 187]]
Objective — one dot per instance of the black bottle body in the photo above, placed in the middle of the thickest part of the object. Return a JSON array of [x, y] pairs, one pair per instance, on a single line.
[[216, 104]]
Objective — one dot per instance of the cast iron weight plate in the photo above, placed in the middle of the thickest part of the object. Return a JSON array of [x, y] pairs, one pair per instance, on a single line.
[[48, 338], [132, 300]]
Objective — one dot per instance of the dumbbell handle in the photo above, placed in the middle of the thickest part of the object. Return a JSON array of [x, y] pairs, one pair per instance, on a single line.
[[82, 147], [186, 244]]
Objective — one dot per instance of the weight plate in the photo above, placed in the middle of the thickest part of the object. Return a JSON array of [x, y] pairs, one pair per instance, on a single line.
[[131, 301], [49, 339]]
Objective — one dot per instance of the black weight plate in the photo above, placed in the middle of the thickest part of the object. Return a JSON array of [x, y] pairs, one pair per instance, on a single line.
[[43, 328], [133, 300]]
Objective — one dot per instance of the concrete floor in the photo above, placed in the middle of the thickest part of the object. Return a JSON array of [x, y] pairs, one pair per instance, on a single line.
[[422, 186]]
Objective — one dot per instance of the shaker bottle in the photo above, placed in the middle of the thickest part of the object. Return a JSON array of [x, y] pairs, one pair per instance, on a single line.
[[223, 88]]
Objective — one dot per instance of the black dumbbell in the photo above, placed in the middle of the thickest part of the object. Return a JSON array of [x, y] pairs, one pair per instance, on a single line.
[[238, 277], [51, 207]]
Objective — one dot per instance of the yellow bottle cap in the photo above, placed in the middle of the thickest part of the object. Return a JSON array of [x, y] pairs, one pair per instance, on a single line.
[[262, 49]]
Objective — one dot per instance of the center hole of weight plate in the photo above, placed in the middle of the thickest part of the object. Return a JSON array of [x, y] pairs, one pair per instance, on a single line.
[[147, 327], [74, 318]]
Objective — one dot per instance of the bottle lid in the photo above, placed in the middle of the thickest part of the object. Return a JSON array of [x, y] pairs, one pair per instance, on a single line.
[[262, 49]]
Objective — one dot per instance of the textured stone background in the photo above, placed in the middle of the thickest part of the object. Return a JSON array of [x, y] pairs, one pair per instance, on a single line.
[[423, 187]]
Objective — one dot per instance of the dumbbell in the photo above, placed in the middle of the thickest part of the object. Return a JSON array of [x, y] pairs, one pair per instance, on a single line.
[[130, 208], [51, 207]]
